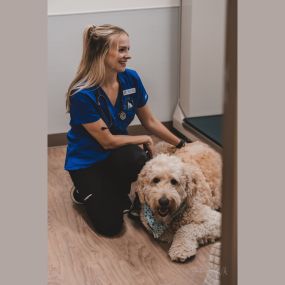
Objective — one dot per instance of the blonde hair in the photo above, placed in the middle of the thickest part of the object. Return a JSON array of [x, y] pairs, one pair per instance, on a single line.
[[97, 41]]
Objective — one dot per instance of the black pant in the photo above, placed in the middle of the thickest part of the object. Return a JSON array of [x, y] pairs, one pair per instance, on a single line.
[[109, 183]]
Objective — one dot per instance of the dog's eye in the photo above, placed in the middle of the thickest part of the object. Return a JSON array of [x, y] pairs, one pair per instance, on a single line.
[[173, 181], [155, 180]]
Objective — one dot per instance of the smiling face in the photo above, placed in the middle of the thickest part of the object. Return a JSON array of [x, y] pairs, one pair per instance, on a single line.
[[162, 185], [118, 54]]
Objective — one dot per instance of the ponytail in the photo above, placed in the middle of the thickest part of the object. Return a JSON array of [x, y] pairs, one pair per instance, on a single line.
[[91, 70]]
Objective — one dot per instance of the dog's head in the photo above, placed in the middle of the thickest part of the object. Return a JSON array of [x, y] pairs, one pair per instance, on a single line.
[[163, 184]]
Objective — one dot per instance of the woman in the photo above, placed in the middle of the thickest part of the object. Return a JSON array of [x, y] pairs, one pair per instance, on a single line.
[[102, 159]]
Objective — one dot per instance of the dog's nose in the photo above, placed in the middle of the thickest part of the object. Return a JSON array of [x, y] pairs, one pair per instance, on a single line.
[[163, 201]]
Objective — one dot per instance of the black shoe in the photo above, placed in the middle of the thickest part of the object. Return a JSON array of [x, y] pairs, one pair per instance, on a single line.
[[126, 204], [76, 196], [134, 214], [134, 211]]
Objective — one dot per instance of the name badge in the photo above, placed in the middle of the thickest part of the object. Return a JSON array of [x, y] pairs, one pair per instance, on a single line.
[[129, 91]]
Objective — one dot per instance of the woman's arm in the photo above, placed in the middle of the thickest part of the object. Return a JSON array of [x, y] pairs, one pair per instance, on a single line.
[[153, 125], [107, 140]]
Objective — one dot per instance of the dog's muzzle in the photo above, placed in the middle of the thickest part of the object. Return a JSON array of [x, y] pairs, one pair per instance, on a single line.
[[164, 206]]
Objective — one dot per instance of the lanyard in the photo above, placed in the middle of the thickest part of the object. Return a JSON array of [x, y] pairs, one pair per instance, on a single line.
[[107, 116]]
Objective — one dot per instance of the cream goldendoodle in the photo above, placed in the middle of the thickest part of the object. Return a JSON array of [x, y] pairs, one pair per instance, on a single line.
[[180, 193]]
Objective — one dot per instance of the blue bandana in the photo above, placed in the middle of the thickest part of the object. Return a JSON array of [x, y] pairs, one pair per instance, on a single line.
[[157, 228]]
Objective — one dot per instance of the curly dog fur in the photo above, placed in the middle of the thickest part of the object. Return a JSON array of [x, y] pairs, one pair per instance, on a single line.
[[182, 188]]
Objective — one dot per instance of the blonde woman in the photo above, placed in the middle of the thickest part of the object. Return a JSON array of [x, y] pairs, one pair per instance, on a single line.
[[102, 159]]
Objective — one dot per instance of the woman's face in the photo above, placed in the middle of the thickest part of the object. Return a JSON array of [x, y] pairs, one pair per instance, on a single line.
[[118, 55]]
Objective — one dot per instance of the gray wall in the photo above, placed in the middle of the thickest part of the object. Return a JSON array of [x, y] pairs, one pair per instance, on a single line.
[[154, 36], [202, 57]]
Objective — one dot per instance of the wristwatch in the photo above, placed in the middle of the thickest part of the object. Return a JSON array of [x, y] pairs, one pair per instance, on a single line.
[[181, 143]]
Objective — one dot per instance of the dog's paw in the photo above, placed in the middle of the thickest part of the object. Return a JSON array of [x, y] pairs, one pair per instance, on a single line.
[[203, 241], [206, 240], [181, 255]]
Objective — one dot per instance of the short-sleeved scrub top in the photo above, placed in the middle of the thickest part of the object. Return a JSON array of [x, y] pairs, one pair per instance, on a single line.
[[90, 105]]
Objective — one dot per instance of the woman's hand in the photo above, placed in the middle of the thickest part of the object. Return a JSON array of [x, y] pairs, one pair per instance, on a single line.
[[148, 146]]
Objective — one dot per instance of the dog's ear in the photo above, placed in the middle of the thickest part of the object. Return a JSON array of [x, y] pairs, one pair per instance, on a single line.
[[132, 194], [189, 186], [139, 184], [137, 189], [197, 188]]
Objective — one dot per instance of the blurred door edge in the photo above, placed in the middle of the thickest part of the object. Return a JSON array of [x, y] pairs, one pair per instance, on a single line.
[[229, 192]]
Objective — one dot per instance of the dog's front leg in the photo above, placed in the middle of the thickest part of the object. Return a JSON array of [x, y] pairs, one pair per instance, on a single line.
[[185, 241], [184, 244]]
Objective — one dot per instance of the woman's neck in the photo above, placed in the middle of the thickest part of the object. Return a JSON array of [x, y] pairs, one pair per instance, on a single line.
[[110, 79]]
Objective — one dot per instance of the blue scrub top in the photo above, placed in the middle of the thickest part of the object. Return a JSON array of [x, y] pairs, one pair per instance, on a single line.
[[89, 105]]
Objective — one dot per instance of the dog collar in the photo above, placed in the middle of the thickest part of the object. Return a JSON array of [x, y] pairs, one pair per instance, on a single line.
[[180, 210], [157, 228]]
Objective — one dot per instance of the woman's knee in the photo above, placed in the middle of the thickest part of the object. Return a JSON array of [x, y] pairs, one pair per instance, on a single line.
[[106, 219], [107, 229], [128, 160]]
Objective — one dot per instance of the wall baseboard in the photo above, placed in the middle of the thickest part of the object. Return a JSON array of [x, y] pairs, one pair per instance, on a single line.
[[60, 138], [57, 139]]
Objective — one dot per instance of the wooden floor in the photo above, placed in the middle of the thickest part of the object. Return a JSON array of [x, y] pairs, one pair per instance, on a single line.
[[78, 256]]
